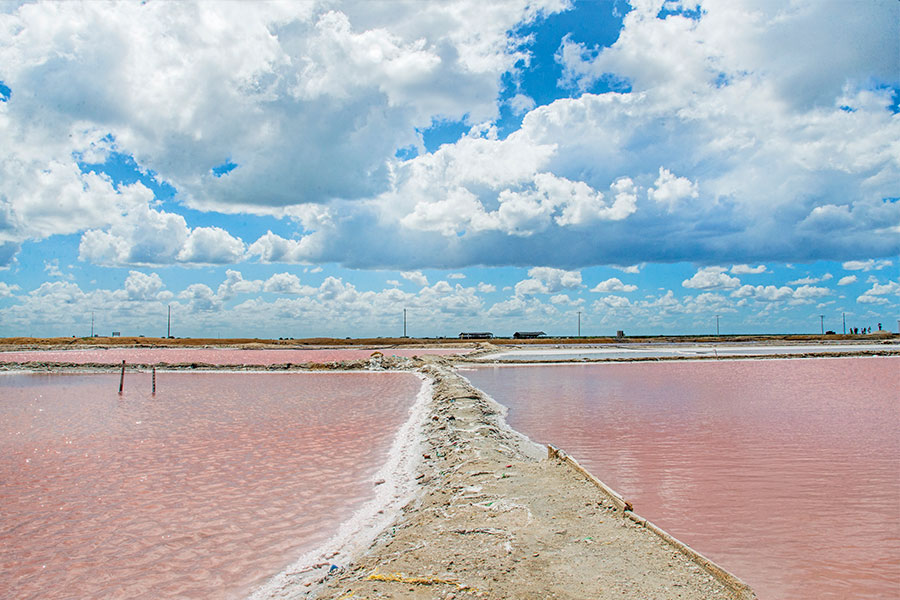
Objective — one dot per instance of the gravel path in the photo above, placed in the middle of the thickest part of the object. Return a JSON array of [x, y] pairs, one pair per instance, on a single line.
[[497, 519]]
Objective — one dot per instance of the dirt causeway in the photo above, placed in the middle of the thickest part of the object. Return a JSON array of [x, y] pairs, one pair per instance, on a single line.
[[497, 519]]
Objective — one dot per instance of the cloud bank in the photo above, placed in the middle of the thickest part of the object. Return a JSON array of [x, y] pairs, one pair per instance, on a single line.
[[738, 133]]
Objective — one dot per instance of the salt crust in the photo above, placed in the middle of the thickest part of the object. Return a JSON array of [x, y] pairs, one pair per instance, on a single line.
[[358, 532]]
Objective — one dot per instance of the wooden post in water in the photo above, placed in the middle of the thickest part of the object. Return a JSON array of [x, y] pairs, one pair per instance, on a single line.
[[122, 378], [154, 381]]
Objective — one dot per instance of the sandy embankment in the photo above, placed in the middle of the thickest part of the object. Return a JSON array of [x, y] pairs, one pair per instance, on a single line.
[[495, 518]]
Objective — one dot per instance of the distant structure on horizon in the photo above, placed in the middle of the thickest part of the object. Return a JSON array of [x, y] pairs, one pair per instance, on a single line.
[[476, 335], [528, 335]]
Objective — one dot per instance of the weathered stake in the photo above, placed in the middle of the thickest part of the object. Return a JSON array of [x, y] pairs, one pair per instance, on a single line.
[[122, 378], [154, 381]]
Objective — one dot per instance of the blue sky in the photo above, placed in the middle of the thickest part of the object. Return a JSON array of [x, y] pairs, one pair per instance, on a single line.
[[312, 169]]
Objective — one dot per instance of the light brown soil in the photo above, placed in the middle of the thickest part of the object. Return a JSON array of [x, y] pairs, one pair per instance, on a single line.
[[496, 519], [28, 343]]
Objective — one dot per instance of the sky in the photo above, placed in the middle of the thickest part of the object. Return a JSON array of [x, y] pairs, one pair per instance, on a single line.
[[314, 168]]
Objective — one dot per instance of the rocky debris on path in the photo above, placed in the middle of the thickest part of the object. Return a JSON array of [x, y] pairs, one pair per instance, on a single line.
[[497, 519]]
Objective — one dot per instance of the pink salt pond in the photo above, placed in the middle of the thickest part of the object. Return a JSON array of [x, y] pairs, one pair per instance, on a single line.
[[786, 472], [214, 356], [204, 490]]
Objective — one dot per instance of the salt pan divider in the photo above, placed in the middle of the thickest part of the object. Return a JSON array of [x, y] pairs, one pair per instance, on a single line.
[[741, 590]]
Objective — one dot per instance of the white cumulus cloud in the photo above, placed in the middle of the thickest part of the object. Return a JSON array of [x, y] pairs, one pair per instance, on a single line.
[[235, 284], [747, 269], [810, 280], [867, 265], [201, 298], [211, 245], [286, 283], [711, 278], [770, 293], [7, 290], [875, 294], [670, 190], [547, 280], [272, 248], [142, 286], [146, 236], [415, 277], [613, 284]]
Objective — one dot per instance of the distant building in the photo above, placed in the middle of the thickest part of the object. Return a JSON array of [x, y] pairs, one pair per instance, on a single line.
[[528, 335], [476, 335]]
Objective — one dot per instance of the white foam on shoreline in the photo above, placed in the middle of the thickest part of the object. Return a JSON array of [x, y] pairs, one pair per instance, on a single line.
[[357, 533]]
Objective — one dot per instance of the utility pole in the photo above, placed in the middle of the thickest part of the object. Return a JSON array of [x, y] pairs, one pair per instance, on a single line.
[[169, 323], [822, 321], [92, 323], [844, 320], [717, 324], [579, 323], [404, 322]]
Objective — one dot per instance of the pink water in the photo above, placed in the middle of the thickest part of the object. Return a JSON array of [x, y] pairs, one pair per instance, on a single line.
[[203, 491], [786, 472], [214, 356]]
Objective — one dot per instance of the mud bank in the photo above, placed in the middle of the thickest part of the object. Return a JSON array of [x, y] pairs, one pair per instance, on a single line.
[[497, 518], [376, 362]]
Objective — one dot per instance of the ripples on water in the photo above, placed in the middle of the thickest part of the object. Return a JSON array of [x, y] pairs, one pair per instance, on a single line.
[[786, 472], [203, 491]]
